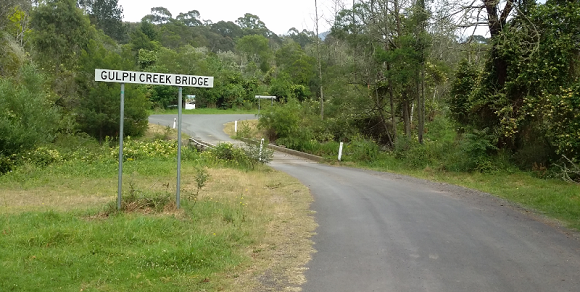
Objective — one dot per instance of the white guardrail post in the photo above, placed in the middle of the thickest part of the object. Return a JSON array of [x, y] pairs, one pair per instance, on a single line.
[[340, 151]]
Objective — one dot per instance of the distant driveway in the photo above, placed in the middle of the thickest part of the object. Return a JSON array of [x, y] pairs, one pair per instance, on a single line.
[[208, 128]]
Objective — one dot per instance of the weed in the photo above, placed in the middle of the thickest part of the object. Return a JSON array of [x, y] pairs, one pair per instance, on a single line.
[[201, 177], [244, 130]]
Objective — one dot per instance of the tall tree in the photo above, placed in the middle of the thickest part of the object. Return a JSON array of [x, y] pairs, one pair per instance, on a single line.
[[60, 31], [319, 63], [190, 18], [159, 15], [106, 15], [256, 49]]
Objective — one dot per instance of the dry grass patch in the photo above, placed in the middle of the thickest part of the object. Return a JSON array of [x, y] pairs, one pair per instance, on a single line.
[[276, 207], [246, 129], [58, 197], [158, 132]]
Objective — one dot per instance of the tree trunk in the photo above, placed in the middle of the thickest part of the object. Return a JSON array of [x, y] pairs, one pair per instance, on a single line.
[[319, 63], [406, 116], [496, 23], [392, 102]]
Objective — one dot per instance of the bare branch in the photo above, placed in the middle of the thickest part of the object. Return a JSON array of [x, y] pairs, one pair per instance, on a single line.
[[472, 24]]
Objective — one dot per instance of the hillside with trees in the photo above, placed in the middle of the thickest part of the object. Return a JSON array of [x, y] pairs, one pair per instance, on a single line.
[[392, 78]]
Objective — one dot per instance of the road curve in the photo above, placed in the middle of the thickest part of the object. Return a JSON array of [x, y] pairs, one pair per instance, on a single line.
[[385, 232], [208, 128]]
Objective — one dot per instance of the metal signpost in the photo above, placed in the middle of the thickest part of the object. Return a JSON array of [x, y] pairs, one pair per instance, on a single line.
[[117, 76], [260, 97]]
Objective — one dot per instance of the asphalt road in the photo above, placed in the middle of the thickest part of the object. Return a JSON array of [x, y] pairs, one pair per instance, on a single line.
[[209, 128], [385, 232]]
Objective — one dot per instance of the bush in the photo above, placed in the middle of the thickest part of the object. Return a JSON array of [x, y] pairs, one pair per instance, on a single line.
[[282, 122], [474, 152], [361, 149], [258, 153], [27, 117], [41, 157], [134, 150]]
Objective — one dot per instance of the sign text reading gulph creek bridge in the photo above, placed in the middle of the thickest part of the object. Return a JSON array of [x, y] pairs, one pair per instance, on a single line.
[[118, 76]]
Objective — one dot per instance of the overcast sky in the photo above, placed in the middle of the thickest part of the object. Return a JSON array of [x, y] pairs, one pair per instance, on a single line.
[[278, 15]]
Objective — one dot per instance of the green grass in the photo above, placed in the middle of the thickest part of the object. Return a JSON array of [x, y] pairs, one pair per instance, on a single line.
[[204, 111], [60, 230], [94, 249], [51, 251]]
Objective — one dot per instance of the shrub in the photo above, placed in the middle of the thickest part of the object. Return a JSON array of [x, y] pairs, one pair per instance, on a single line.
[[27, 117], [281, 121], [133, 150], [257, 154], [361, 149], [41, 157]]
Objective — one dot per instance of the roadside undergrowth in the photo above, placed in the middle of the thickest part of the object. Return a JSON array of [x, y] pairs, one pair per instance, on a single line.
[[238, 229]]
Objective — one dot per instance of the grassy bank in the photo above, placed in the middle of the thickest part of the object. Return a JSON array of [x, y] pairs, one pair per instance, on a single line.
[[246, 230]]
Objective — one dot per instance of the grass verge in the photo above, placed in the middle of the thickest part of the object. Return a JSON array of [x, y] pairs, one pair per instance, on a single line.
[[59, 230]]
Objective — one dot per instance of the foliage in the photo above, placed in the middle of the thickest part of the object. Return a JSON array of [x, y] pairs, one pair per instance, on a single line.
[[258, 152], [361, 149], [98, 113], [201, 177], [137, 150], [106, 15], [466, 78], [538, 100], [283, 124], [28, 117]]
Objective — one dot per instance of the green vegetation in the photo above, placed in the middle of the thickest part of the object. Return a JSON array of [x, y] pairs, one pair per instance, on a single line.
[[402, 86], [61, 229], [444, 156]]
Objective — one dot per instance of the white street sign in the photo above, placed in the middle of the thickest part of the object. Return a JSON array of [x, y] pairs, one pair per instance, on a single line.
[[117, 76], [266, 96]]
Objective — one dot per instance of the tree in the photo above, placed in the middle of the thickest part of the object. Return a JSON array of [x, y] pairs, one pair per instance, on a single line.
[[256, 49], [388, 43], [251, 23], [294, 61], [159, 15], [99, 110], [190, 18], [59, 32], [106, 15], [303, 38]]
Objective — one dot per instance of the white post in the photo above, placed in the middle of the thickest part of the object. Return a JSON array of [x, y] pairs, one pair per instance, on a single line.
[[340, 151], [261, 145], [174, 121], [236, 127]]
